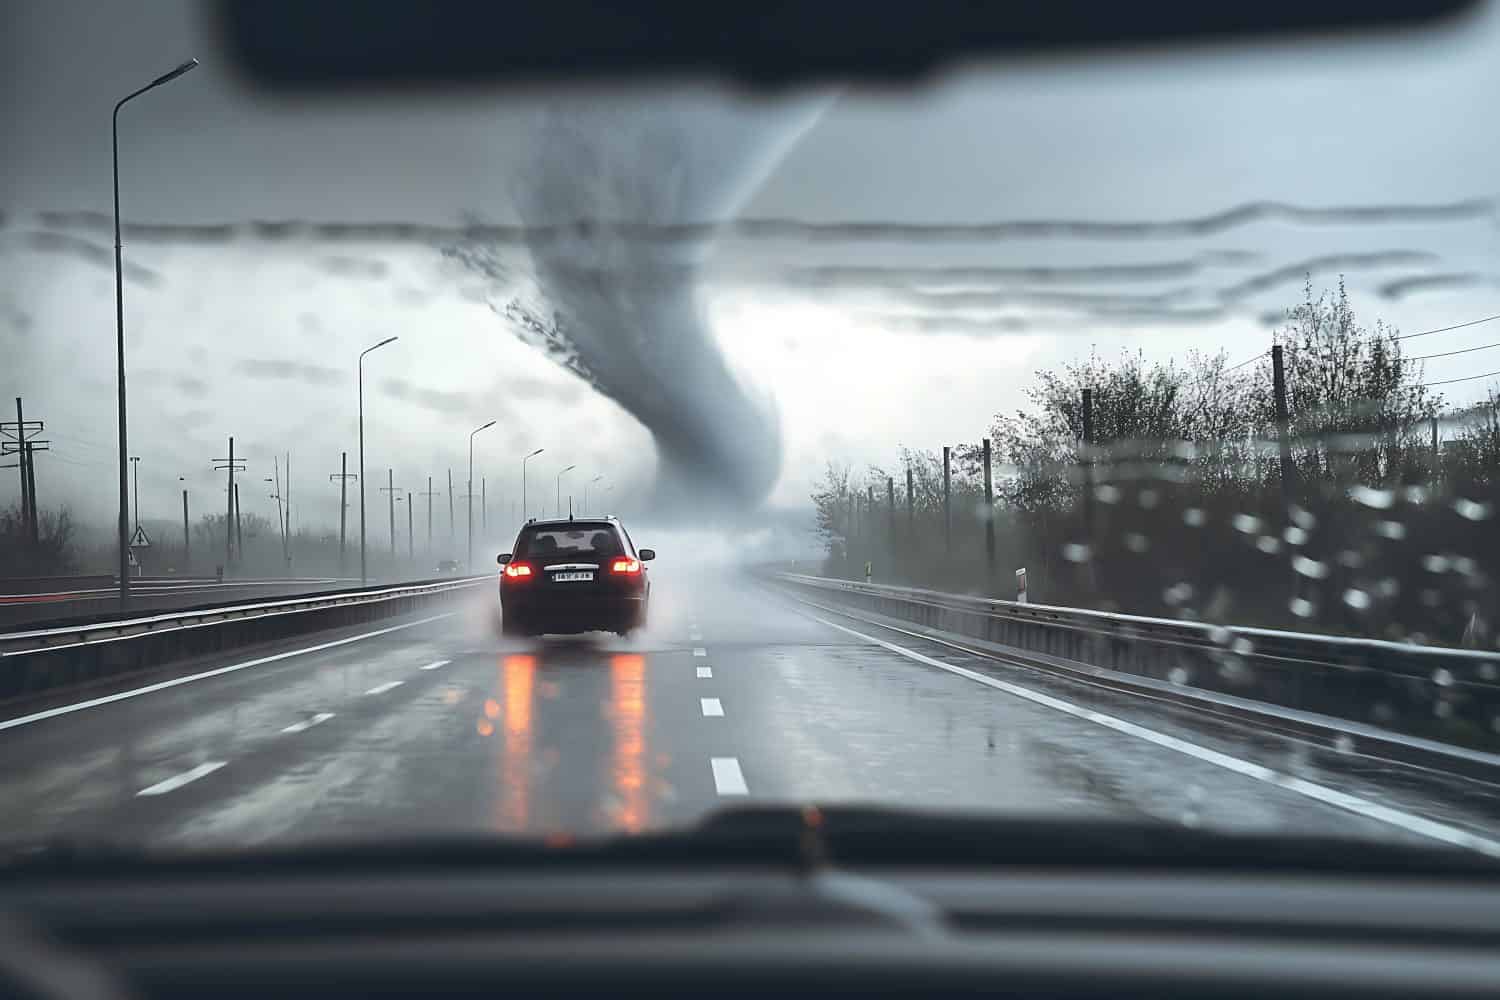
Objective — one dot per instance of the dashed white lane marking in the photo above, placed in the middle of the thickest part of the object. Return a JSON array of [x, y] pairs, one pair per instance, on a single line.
[[705, 673], [699, 651], [728, 778], [383, 688], [174, 682], [1312, 790], [711, 706], [186, 777], [306, 724], [434, 664]]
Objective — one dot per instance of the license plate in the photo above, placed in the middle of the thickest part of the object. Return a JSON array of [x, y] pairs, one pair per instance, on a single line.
[[572, 577]]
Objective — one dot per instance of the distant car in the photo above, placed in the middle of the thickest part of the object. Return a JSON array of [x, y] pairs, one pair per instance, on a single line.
[[447, 566], [568, 576]]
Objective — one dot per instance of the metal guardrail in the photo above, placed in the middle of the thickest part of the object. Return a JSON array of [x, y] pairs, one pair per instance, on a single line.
[[1449, 695], [37, 659]]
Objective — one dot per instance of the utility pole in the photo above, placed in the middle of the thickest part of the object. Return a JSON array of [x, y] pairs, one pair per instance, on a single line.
[[890, 503], [1088, 465], [390, 489], [911, 524], [343, 476], [429, 495], [36, 517], [187, 544], [239, 524], [20, 439], [231, 465], [450, 512], [484, 509], [1284, 444], [410, 548], [280, 520], [948, 500], [286, 533], [989, 516]]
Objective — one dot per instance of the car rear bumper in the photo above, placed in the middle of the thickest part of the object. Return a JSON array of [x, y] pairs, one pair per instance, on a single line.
[[571, 613]]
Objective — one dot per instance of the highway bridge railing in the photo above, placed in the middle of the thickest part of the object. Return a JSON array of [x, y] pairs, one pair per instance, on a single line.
[[1429, 703], [38, 659]]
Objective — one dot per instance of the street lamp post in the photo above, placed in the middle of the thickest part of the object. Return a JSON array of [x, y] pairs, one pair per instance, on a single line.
[[471, 492], [524, 508], [586, 492], [114, 140], [363, 573], [135, 468], [559, 487]]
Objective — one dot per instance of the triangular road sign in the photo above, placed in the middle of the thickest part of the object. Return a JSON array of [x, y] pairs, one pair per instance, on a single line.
[[139, 539]]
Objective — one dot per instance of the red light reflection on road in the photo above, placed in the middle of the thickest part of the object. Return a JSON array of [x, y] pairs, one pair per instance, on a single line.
[[518, 677], [627, 703]]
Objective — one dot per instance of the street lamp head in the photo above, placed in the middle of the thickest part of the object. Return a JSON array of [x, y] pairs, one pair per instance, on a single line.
[[174, 74], [568, 469], [536, 453], [478, 429], [387, 341]]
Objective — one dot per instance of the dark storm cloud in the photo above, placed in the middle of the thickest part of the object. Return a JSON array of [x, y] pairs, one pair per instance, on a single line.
[[437, 400], [904, 277], [988, 325], [1324, 265], [277, 370], [979, 326], [191, 386], [16, 318], [1402, 287], [92, 253], [543, 234], [354, 267], [1079, 301]]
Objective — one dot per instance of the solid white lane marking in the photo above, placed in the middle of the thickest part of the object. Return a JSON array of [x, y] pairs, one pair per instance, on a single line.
[[434, 664], [1310, 789], [699, 651], [711, 706], [383, 688], [705, 673], [728, 778], [306, 724], [174, 682], [186, 777]]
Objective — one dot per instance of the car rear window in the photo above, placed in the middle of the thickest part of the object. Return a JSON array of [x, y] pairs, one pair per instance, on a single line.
[[574, 542]]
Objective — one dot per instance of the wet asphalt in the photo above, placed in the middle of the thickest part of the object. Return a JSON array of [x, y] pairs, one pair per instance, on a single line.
[[435, 724]]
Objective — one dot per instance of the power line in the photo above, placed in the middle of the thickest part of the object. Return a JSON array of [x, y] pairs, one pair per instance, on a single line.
[[1449, 354], [1468, 378], [1445, 329], [1245, 362]]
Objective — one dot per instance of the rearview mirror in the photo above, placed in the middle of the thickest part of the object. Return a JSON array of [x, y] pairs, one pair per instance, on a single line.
[[647, 555], [503, 558]]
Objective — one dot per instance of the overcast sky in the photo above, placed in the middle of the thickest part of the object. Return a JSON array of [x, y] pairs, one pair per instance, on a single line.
[[819, 343]]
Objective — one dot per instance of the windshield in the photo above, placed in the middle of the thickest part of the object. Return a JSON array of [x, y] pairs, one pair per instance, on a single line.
[[1111, 436]]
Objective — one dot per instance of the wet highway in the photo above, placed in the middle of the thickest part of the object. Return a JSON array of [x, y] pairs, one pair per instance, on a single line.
[[435, 724]]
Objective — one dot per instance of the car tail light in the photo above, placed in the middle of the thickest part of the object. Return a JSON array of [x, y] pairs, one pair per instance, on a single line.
[[629, 567], [518, 571]]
